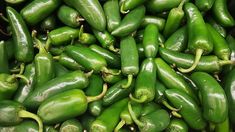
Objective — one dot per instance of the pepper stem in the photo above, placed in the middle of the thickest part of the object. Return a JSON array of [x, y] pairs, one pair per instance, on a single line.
[[81, 31], [26, 114], [106, 70], [56, 57], [14, 76], [22, 66], [176, 114], [38, 43], [94, 98], [141, 100], [226, 62], [129, 81], [119, 126], [48, 44], [181, 4], [133, 116], [167, 105], [88, 74], [196, 61], [4, 18], [79, 19], [122, 10]]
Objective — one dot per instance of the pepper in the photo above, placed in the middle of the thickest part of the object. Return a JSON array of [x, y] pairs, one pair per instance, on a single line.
[[4, 68], [145, 82], [221, 48], [116, 92], [220, 29], [109, 117], [140, 49], [12, 113], [221, 13], [86, 38], [71, 125], [150, 41], [113, 17], [156, 6], [223, 127], [129, 59], [94, 88], [177, 125], [204, 5], [189, 81], [113, 60], [174, 19], [66, 101], [14, 1], [149, 108], [49, 23], [130, 22], [94, 15], [23, 44], [128, 5], [207, 63], [38, 10], [189, 109], [172, 80], [198, 44], [55, 51], [213, 98], [158, 21], [49, 129], [24, 89], [110, 78], [72, 80], [69, 16], [24, 126], [86, 121], [9, 48], [60, 69], [140, 35], [178, 40]]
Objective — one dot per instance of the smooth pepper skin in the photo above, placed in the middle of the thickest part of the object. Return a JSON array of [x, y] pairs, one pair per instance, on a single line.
[[8, 86], [130, 22], [23, 44], [127, 5], [3, 58], [189, 109], [49, 23], [60, 69], [72, 80], [213, 97], [71, 125], [109, 118], [204, 5], [110, 78], [219, 28], [157, 6], [25, 126], [149, 108], [177, 125], [91, 11], [38, 10], [223, 127], [158, 21]]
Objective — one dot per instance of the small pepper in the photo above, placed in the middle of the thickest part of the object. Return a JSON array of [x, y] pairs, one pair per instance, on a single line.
[[71, 125], [177, 125], [4, 68]]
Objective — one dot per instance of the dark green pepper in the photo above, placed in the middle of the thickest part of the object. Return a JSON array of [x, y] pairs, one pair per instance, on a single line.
[[204, 5], [10, 48], [231, 43], [86, 121], [158, 21], [25, 126], [128, 5], [220, 29], [156, 6], [71, 125], [49, 23], [3, 58], [60, 69], [110, 78], [149, 108], [177, 125]]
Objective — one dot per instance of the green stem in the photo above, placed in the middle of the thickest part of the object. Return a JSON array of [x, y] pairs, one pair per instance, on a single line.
[[198, 55], [14, 76], [167, 105], [81, 31], [26, 114], [133, 116], [79, 19], [48, 44], [94, 98], [4, 18], [112, 48], [181, 4], [106, 70], [122, 10], [142, 99], [22, 67], [88, 74], [176, 114], [119, 126], [226, 62], [129, 81], [15, 70]]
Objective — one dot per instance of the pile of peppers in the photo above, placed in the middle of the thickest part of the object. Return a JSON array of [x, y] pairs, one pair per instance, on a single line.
[[117, 65]]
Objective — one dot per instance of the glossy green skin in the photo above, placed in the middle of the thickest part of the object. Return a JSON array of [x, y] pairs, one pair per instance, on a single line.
[[140, 49], [91, 11], [159, 91], [38, 10], [150, 41], [89, 59], [87, 39], [72, 80], [158, 21], [177, 125], [189, 81], [113, 17], [173, 21], [140, 35], [68, 16], [131, 4], [149, 108], [156, 6], [25, 126], [105, 38], [196, 25], [143, 86], [213, 97], [125, 114], [113, 60], [24, 89], [23, 44], [172, 80], [86, 121], [52, 110], [7, 87], [129, 56], [204, 5], [49, 23], [63, 35], [109, 118], [71, 125], [178, 40], [9, 48], [221, 13], [156, 121], [130, 22], [9, 112], [189, 109], [110, 78], [116, 92], [221, 48], [14, 1], [69, 62], [207, 63], [220, 29], [3, 58], [229, 87], [223, 127], [94, 88], [60, 69], [55, 51], [44, 68]]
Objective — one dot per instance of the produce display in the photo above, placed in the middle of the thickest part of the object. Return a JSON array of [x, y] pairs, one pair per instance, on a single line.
[[117, 65]]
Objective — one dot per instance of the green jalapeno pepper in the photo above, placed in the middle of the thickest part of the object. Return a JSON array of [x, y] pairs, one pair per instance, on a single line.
[[73, 101], [9, 48], [49, 23], [220, 29], [71, 125], [149, 108], [12, 113], [204, 5], [38, 10], [72, 80], [158, 21], [60, 69], [86, 121], [177, 125], [15, 2], [4, 68], [110, 78], [24, 126], [23, 44], [127, 5], [141, 53], [86, 38], [213, 98], [156, 6]]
